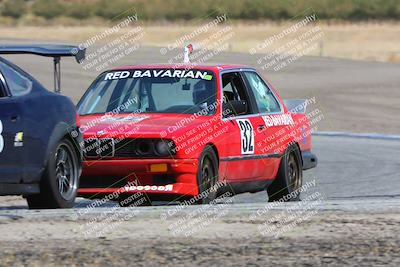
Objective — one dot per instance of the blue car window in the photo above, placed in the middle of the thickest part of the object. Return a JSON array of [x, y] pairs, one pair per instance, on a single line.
[[17, 83], [2, 90]]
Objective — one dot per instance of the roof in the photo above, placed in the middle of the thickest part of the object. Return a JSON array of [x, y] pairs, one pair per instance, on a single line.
[[211, 67]]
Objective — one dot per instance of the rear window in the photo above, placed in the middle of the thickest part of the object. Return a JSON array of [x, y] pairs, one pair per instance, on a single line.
[[17, 83]]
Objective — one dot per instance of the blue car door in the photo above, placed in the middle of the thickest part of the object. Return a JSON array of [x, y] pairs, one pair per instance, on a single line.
[[11, 137]]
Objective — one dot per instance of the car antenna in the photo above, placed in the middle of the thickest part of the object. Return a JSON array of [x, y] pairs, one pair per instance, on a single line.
[[187, 51]]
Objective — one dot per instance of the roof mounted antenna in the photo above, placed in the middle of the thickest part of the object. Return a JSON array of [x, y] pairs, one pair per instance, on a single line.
[[187, 51]]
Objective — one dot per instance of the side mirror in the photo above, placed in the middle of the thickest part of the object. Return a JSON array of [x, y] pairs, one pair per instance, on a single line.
[[234, 107]]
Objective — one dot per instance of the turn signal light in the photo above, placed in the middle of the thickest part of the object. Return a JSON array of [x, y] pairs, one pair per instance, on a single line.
[[161, 167]]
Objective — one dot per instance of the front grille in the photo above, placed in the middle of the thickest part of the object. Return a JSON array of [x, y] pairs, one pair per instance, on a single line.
[[121, 148], [91, 146], [102, 147], [107, 147], [125, 148]]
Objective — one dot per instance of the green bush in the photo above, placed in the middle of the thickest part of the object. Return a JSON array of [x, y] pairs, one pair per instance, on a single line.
[[15, 9], [48, 8], [113, 10], [79, 10], [7, 21], [200, 10], [32, 20]]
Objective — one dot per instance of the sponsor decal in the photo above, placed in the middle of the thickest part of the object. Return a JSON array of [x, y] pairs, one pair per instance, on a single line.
[[246, 135], [208, 77], [124, 118], [162, 188], [277, 120], [18, 140], [158, 73]]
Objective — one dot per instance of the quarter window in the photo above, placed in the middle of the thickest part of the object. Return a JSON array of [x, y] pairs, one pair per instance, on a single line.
[[2, 90], [265, 99], [17, 83]]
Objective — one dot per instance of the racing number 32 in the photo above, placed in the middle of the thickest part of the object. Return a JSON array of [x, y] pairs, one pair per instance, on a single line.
[[247, 136], [1, 137]]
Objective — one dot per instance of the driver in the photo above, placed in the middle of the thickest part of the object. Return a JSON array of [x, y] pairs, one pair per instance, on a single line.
[[202, 94]]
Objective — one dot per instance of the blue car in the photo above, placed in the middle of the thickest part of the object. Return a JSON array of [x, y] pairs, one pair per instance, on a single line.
[[40, 154]]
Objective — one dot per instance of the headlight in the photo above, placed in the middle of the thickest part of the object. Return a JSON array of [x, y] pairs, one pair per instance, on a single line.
[[165, 147], [143, 147]]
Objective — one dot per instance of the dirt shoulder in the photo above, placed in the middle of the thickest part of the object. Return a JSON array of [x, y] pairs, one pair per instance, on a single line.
[[341, 40], [331, 237]]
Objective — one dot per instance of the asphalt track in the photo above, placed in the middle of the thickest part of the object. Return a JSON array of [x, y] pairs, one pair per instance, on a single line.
[[357, 179], [349, 166]]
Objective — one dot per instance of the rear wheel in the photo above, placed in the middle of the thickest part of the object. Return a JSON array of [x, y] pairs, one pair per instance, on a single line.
[[289, 178], [59, 183], [207, 176]]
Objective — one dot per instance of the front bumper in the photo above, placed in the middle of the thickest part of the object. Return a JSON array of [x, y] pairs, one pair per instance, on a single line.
[[130, 176]]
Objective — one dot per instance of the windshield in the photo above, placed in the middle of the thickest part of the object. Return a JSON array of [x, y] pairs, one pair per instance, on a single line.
[[151, 90]]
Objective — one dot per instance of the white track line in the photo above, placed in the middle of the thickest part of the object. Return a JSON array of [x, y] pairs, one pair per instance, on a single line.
[[359, 135]]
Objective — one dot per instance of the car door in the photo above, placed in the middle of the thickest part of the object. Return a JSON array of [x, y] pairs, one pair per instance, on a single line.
[[242, 159], [272, 135], [11, 134]]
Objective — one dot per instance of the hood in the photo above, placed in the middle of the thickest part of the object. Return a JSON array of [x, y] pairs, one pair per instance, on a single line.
[[139, 125]]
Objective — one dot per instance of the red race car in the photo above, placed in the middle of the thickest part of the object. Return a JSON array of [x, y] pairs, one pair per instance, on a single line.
[[191, 132]]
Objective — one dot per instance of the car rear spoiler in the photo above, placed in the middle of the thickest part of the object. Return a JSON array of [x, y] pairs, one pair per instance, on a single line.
[[296, 105], [54, 51]]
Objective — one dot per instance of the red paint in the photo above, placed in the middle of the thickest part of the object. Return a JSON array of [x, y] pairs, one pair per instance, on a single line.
[[184, 165]]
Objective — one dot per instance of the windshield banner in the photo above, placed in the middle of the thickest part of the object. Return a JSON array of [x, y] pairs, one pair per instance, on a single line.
[[159, 73]]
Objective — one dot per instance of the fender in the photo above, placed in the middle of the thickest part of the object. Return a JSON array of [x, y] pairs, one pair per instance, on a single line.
[[60, 131]]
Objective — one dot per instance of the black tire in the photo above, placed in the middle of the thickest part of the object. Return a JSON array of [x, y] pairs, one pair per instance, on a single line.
[[207, 176], [289, 178], [60, 180]]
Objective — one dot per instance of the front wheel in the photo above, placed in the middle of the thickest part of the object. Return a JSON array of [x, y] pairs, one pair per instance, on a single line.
[[289, 178], [59, 183], [207, 176]]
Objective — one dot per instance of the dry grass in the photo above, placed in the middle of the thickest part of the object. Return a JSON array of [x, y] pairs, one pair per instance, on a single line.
[[362, 41]]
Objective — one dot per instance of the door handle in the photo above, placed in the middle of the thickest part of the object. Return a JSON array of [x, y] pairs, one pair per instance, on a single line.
[[14, 118]]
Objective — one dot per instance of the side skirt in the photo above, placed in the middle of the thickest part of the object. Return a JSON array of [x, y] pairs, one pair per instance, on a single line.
[[19, 189], [245, 187]]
